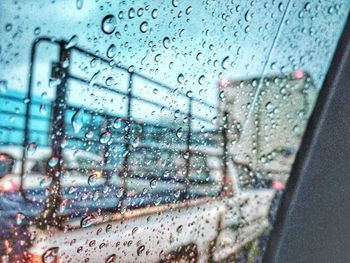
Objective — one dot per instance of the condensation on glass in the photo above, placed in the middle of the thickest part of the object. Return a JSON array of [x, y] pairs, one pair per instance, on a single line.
[[153, 131]]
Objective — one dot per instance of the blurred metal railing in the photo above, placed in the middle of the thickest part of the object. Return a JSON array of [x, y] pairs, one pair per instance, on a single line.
[[60, 108]]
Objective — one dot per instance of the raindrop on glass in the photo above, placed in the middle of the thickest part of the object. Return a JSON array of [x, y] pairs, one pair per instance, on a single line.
[[31, 148], [154, 13], [140, 249], [3, 86], [112, 258], [50, 255], [53, 161], [180, 78], [105, 137], [111, 51], [78, 120], [179, 229], [108, 24], [188, 10], [179, 133], [131, 13], [153, 183], [92, 180], [79, 4], [166, 42], [189, 94], [19, 218], [225, 62], [87, 221], [73, 41], [144, 27]]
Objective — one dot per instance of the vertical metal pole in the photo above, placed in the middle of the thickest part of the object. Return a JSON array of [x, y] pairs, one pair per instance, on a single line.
[[55, 170], [127, 139], [27, 114], [188, 147], [106, 147], [227, 182]]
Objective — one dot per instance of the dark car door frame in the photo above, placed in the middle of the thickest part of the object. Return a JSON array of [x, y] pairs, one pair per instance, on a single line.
[[312, 223]]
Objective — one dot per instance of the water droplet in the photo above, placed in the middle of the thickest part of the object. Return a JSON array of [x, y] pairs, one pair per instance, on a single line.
[[8, 27], [45, 182], [79, 4], [73, 41], [78, 120], [31, 148], [330, 10], [120, 192], [201, 80], [182, 32], [111, 51], [72, 189], [37, 31], [131, 13], [92, 180], [153, 183], [144, 27], [118, 123], [186, 155], [108, 228], [179, 229], [140, 12], [307, 6], [177, 114], [154, 13], [117, 34], [87, 221], [179, 133], [280, 7], [108, 24], [188, 10], [134, 230], [19, 218], [63, 205], [50, 255], [180, 78], [112, 258], [189, 94], [166, 42], [247, 16], [225, 62], [54, 82], [3, 86], [53, 161], [269, 107], [42, 108], [140, 249], [109, 81], [105, 137], [175, 3]]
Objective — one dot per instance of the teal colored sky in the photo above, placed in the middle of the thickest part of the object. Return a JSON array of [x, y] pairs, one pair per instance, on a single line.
[[213, 39]]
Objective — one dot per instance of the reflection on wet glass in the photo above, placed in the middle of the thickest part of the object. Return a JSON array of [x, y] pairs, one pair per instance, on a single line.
[[153, 132]]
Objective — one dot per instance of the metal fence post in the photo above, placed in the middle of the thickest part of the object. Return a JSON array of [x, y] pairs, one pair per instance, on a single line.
[[227, 182], [188, 147], [55, 164], [106, 149], [127, 139]]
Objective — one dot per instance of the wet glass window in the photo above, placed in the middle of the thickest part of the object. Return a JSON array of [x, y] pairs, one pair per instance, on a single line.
[[153, 131]]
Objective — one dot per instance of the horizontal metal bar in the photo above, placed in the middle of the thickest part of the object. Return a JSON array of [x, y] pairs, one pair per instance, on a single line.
[[159, 105], [140, 75]]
